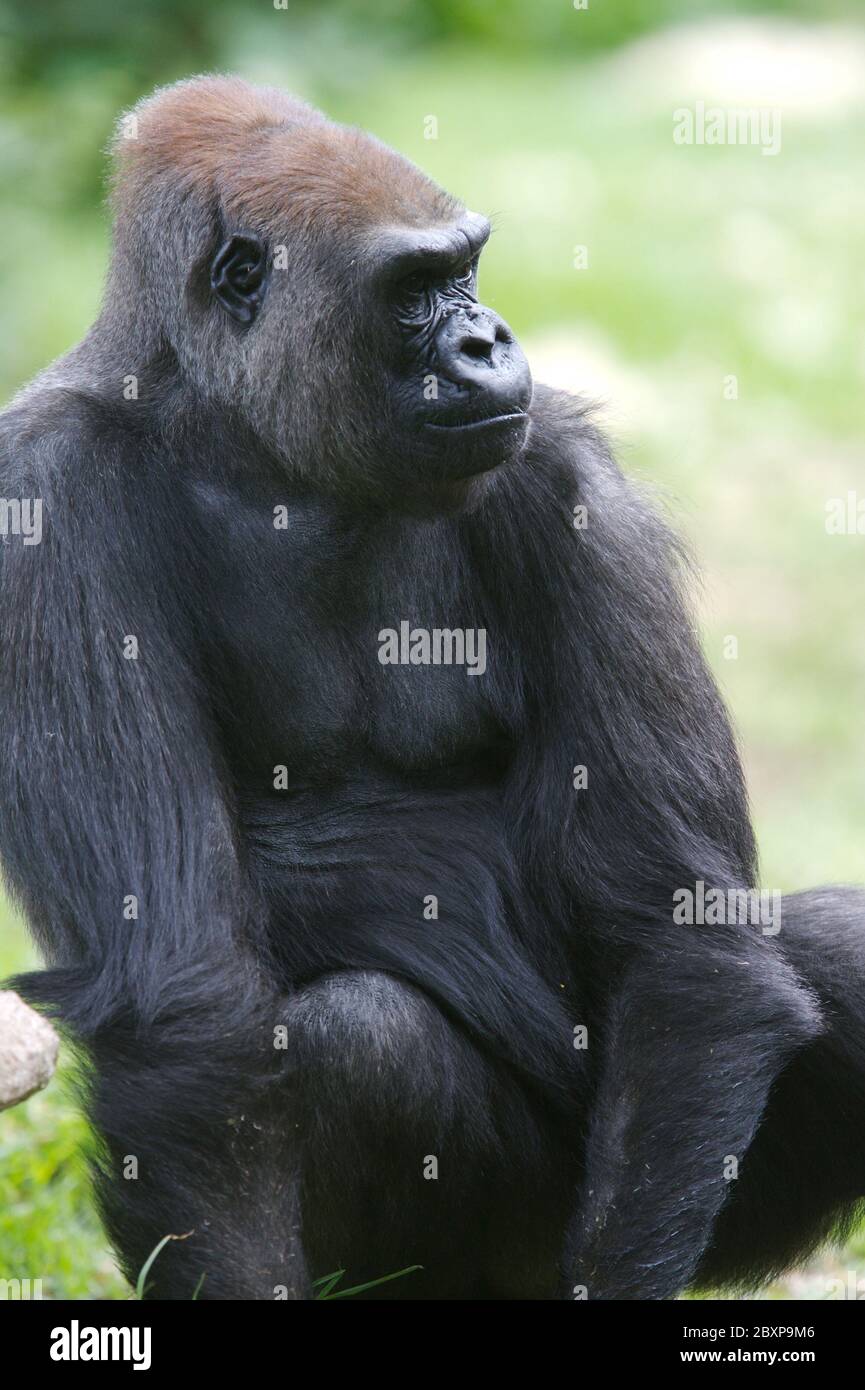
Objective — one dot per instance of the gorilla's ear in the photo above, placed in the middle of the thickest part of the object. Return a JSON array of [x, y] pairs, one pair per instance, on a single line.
[[238, 276]]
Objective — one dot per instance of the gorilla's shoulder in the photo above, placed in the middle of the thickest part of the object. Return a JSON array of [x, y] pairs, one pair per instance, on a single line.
[[566, 447], [568, 463], [52, 428]]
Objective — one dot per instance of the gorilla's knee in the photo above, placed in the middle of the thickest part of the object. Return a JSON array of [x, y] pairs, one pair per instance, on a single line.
[[368, 1041], [383, 1085]]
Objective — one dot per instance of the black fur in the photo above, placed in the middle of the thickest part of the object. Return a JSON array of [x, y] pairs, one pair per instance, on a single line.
[[302, 909]]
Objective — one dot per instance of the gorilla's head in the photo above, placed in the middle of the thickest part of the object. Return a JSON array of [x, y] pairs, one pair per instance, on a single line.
[[307, 276]]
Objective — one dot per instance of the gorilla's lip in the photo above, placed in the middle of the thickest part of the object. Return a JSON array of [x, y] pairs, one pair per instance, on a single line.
[[461, 425]]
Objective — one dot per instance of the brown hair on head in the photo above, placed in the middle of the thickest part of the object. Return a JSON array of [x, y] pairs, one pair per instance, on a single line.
[[333, 173], [268, 158]]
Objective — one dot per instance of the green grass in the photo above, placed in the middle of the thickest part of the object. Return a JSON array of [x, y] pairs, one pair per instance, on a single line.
[[48, 1227], [702, 262]]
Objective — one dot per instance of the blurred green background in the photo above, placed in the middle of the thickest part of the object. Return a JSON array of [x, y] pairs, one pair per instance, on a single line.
[[703, 263]]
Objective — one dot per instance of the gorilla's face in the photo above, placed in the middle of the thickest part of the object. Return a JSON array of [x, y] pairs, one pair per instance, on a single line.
[[386, 352], [458, 378], [369, 359]]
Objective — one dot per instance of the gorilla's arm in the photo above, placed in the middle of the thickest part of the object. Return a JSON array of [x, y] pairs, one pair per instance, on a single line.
[[691, 1024], [116, 831], [116, 837]]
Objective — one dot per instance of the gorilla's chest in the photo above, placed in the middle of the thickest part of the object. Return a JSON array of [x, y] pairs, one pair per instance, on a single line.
[[429, 693], [401, 676], [345, 648]]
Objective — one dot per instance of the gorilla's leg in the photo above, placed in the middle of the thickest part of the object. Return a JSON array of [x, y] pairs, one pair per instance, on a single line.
[[414, 1148], [195, 1144], [378, 1137], [805, 1170], [693, 1044]]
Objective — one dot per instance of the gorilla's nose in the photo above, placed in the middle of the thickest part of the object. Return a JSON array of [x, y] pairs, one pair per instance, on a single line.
[[467, 346], [478, 340], [477, 350]]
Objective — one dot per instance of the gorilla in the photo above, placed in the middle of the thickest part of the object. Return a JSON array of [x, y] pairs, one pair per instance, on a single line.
[[359, 755]]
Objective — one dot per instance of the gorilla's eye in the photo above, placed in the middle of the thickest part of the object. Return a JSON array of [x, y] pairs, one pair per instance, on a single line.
[[438, 280], [416, 284]]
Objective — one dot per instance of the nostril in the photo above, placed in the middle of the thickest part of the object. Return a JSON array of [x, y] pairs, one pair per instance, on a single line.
[[481, 348]]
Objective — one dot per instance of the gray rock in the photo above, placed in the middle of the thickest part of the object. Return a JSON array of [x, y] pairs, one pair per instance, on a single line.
[[28, 1050]]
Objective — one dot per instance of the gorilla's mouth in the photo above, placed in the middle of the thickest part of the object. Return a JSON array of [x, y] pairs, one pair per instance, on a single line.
[[486, 422]]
